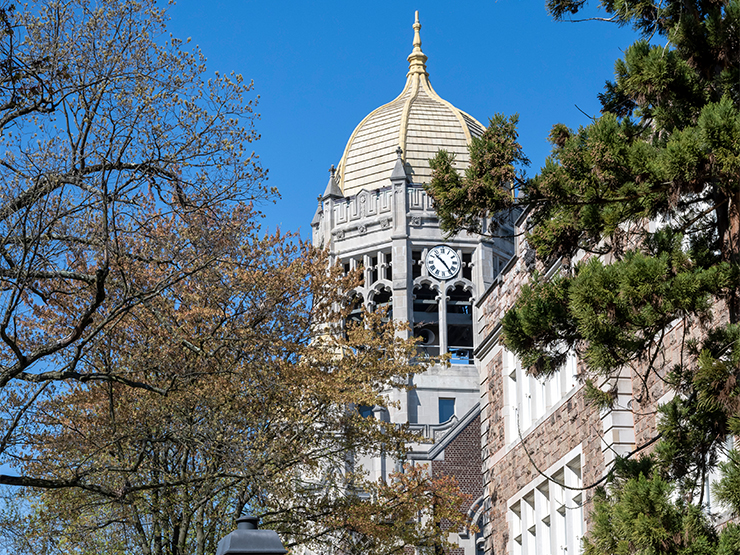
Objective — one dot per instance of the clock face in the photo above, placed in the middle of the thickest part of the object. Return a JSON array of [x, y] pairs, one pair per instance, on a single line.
[[442, 262]]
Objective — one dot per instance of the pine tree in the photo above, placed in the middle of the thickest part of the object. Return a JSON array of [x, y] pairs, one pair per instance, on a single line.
[[647, 200]]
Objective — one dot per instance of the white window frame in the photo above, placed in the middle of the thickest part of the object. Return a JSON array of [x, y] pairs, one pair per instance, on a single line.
[[545, 518], [527, 400]]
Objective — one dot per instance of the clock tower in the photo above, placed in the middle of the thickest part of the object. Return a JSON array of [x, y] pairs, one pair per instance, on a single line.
[[374, 214]]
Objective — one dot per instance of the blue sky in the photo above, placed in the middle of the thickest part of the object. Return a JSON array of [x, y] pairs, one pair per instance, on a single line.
[[321, 67]]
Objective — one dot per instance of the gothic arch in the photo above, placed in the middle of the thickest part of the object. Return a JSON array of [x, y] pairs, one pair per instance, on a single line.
[[378, 286], [459, 281], [426, 280], [381, 295]]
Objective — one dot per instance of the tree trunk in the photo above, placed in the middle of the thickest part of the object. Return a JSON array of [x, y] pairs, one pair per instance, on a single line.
[[200, 537], [728, 228]]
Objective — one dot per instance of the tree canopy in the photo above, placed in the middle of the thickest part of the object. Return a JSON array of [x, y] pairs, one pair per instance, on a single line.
[[640, 210], [164, 364], [266, 422], [123, 173]]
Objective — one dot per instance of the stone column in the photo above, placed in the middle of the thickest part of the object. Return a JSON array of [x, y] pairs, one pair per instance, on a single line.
[[401, 256]]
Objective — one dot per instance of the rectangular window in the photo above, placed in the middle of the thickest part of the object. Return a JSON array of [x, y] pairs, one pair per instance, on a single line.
[[515, 519], [467, 266], [446, 409], [512, 407], [528, 399], [415, 264]]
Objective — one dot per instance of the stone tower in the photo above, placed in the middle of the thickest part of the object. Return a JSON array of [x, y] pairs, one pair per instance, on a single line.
[[375, 214]]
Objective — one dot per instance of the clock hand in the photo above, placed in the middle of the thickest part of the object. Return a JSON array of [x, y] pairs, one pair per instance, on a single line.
[[439, 257]]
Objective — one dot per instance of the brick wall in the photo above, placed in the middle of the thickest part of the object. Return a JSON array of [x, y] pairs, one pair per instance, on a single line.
[[462, 459]]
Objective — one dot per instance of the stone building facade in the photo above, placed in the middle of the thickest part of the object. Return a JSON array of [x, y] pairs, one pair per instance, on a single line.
[[544, 446]]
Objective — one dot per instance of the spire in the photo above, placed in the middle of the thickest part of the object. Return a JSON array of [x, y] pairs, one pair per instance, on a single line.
[[417, 58], [399, 172], [317, 216], [332, 188]]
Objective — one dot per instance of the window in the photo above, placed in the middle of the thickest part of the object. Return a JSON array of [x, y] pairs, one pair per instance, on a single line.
[[712, 505], [356, 304], [388, 271], [460, 325], [467, 265], [415, 264], [426, 319], [446, 409], [528, 399], [365, 411], [382, 300], [547, 516], [374, 267]]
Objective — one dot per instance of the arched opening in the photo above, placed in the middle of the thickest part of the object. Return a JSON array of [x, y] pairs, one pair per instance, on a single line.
[[356, 303], [460, 325], [426, 319], [383, 300]]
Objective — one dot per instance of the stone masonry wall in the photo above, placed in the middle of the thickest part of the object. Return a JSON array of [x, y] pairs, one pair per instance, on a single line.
[[508, 468]]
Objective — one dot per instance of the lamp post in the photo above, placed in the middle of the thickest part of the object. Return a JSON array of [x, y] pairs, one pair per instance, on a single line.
[[248, 540]]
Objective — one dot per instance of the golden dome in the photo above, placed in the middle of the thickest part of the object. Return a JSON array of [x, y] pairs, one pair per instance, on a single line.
[[418, 121]]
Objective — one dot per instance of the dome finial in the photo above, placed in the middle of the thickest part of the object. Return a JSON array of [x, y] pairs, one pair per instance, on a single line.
[[417, 35], [417, 58]]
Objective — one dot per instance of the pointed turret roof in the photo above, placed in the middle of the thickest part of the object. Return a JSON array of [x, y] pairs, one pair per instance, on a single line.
[[317, 216], [332, 188], [399, 172]]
